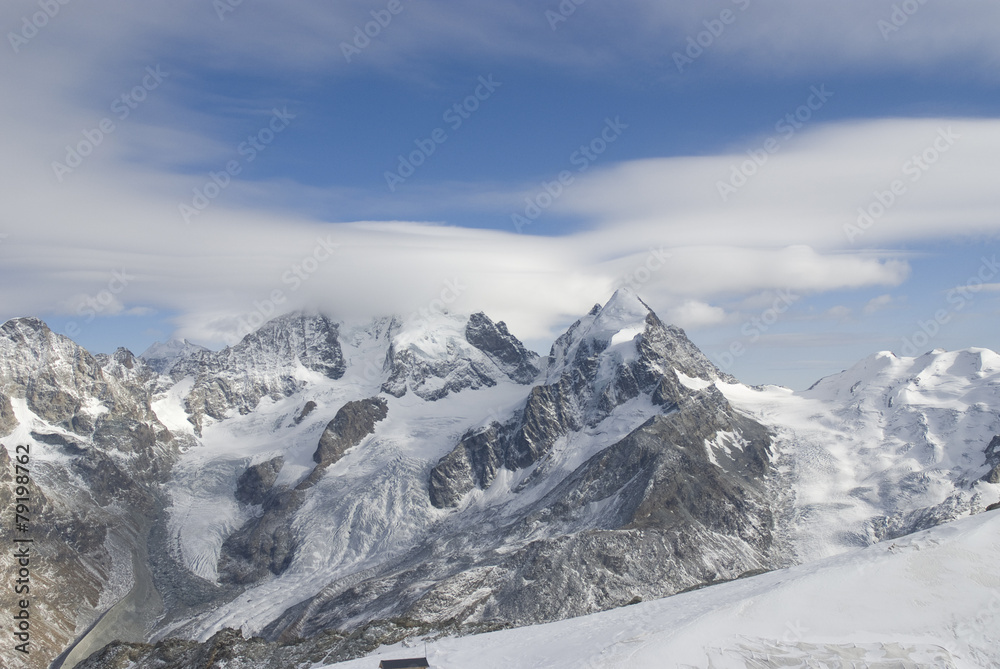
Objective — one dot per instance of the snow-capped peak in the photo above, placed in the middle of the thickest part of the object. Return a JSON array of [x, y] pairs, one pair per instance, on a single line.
[[429, 336], [882, 372], [623, 312], [161, 356], [441, 353]]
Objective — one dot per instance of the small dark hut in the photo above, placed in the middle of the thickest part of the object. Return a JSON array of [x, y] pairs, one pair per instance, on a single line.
[[411, 663]]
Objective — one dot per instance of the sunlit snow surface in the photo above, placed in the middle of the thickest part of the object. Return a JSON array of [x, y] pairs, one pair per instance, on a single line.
[[884, 438], [931, 599], [887, 436]]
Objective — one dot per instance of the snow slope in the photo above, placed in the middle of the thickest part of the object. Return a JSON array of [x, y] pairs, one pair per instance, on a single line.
[[890, 446], [931, 599], [370, 506]]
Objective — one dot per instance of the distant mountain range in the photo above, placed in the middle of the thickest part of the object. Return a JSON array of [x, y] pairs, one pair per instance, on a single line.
[[330, 487]]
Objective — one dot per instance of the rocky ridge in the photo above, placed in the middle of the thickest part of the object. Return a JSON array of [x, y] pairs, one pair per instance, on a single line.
[[368, 483]]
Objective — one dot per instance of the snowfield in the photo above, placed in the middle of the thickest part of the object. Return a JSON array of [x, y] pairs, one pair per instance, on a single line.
[[889, 446], [931, 599]]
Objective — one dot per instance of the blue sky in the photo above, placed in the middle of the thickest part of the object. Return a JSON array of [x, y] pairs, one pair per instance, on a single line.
[[237, 167]]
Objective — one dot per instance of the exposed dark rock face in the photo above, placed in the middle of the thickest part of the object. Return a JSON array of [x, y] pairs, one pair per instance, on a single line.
[[353, 422], [672, 518], [266, 545], [479, 356], [51, 372], [434, 379], [262, 365], [161, 358], [473, 463], [651, 515], [263, 546], [99, 415], [8, 421], [227, 649], [309, 407], [254, 484], [70, 445], [663, 476], [68, 533], [517, 362], [587, 381], [993, 460]]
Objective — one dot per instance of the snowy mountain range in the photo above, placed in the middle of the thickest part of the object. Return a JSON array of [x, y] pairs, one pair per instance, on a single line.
[[328, 488]]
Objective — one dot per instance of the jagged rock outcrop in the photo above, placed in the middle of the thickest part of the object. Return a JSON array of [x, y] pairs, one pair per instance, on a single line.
[[68, 554], [53, 374], [612, 470], [266, 544], [309, 407], [473, 463], [263, 546], [95, 413], [436, 358], [679, 502], [262, 364], [615, 354], [353, 422], [254, 484], [509, 354], [993, 460], [161, 357], [8, 421]]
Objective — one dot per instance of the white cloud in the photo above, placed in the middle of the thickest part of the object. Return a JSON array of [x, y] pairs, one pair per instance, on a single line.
[[653, 228], [784, 229], [878, 304], [694, 314], [809, 192]]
